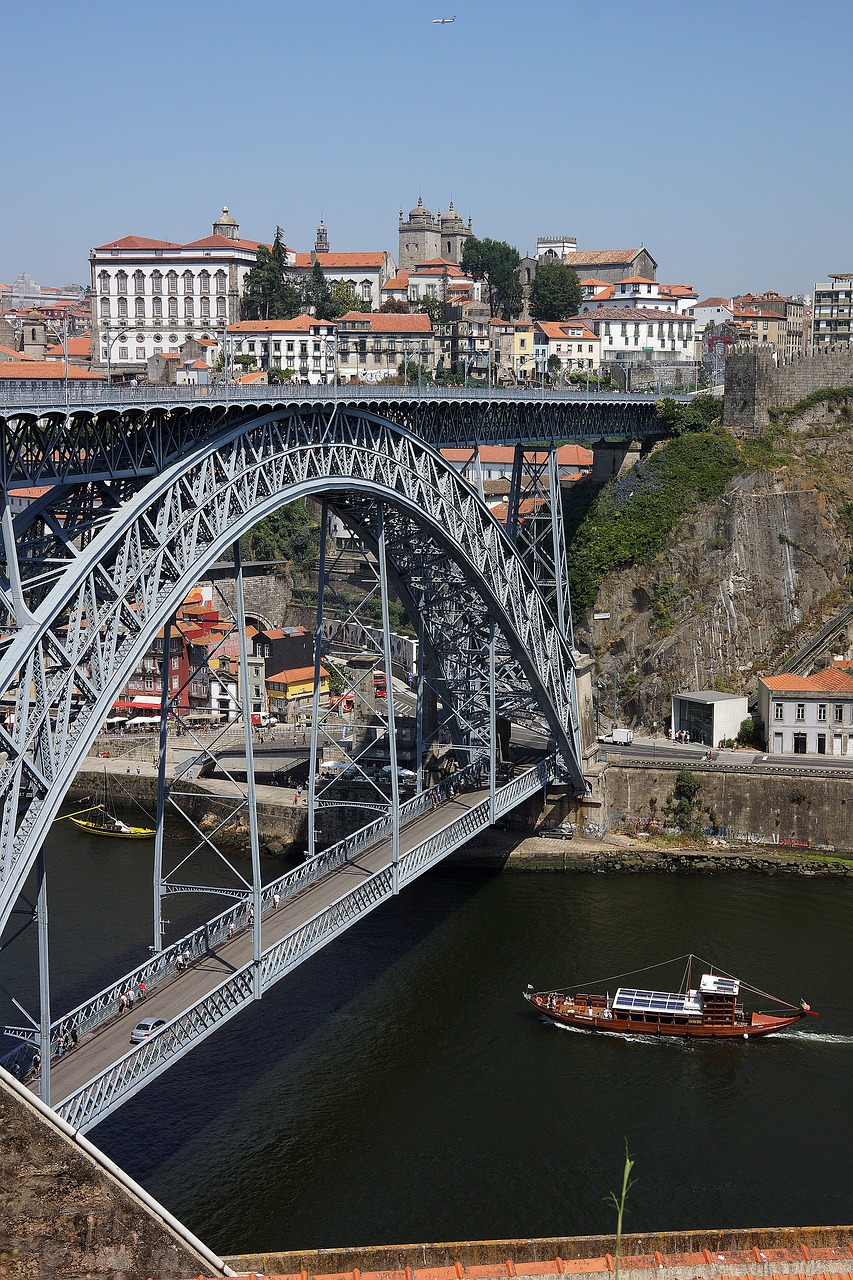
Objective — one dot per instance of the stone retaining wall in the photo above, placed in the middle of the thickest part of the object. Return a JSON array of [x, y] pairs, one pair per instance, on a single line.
[[758, 380]]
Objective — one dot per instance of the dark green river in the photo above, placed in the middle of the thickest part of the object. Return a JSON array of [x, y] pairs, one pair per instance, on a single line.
[[398, 1088]]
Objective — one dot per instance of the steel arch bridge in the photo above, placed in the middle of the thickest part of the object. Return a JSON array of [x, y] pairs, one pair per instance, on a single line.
[[143, 495]]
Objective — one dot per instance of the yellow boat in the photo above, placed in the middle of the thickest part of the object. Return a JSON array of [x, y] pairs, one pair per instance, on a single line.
[[106, 824]]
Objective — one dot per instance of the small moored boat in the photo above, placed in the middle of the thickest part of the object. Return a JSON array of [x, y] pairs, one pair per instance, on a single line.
[[99, 820], [712, 1010]]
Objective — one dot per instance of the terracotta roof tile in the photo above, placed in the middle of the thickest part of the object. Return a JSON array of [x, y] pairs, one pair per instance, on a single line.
[[388, 322], [293, 675], [139, 242], [600, 257], [53, 369], [297, 324], [340, 261]]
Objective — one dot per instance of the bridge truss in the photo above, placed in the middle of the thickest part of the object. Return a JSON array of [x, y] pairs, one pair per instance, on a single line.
[[140, 501]]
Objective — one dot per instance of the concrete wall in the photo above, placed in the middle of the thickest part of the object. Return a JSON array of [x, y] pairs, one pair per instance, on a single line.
[[758, 380], [65, 1215]]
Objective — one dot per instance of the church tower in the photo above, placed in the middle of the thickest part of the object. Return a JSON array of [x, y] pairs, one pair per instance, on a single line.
[[453, 235], [321, 242], [420, 237]]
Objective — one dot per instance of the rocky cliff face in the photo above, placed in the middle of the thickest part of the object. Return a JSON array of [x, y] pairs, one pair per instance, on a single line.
[[744, 581]]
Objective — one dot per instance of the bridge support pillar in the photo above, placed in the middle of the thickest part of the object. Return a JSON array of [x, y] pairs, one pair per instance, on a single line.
[[251, 799], [44, 979], [389, 696]]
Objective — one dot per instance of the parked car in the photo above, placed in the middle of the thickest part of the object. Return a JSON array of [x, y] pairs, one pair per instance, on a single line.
[[145, 1029]]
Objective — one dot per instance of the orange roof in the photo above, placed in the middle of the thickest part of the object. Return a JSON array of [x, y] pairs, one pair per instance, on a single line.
[[678, 290], [293, 675], [139, 242], [247, 378], [592, 280], [636, 280], [832, 680], [557, 330], [298, 324], [76, 347], [399, 281], [599, 257], [333, 260], [390, 322], [32, 492], [53, 369], [14, 355]]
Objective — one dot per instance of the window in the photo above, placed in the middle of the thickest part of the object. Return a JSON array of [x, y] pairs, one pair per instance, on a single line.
[[122, 353], [220, 282], [139, 308], [121, 281], [173, 307], [140, 353], [122, 306], [778, 711], [157, 307], [156, 282], [220, 306], [105, 308], [138, 282], [104, 281], [189, 282], [799, 744], [838, 713], [205, 307], [172, 281], [821, 712], [204, 282], [188, 308], [801, 711]]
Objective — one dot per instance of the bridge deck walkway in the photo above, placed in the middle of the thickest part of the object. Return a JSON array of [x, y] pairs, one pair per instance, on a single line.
[[99, 1049]]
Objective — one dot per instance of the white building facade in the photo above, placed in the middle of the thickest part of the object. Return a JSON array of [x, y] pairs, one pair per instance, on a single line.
[[304, 344], [150, 296], [808, 715]]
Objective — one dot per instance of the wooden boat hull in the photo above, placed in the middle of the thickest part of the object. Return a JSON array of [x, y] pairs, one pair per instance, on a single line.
[[132, 833], [759, 1024]]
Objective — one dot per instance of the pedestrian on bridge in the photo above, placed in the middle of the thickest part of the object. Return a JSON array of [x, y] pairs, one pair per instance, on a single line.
[[276, 899]]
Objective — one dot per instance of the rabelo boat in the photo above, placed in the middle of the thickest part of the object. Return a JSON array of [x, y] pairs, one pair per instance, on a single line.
[[711, 1010]]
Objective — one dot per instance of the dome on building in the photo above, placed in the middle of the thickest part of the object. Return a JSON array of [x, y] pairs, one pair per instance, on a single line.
[[451, 219], [226, 219], [419, 213]]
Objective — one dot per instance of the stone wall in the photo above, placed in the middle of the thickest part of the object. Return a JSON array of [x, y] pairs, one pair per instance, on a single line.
[[758, 380], [790, 808], [267, 593], [66, 1215]]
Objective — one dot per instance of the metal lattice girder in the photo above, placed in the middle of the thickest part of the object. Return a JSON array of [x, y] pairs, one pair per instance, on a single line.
[[109, 433], [102, 1095], [64, 670]]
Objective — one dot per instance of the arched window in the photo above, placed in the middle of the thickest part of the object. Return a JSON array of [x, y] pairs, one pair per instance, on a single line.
[[189, 281], [139, 308], [157, 304], [105, 308], [122, 306], [205, 307], [220, 306], [173, 306], [172, 281], [220, 282], [188, 308], [121, 281], [204, 282], [138, 282], [156, 282], [104, 281]]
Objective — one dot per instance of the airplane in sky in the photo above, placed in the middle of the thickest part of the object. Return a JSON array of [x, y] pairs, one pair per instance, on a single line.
[[443, 20]]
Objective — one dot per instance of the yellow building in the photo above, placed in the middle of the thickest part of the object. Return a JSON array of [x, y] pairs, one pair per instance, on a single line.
[[291, 693]]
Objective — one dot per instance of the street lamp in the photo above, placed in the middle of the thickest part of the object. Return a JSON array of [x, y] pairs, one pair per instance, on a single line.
[[110, 344]]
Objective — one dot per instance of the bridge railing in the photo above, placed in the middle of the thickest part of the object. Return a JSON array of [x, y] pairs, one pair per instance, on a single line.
[[25, 396], [163, 966], [96, 1099]]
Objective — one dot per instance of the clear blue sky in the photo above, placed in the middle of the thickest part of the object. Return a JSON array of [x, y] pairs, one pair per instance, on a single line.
[[717, 134]]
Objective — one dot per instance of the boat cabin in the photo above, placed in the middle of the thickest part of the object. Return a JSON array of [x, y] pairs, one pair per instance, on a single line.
[[713, 1003]]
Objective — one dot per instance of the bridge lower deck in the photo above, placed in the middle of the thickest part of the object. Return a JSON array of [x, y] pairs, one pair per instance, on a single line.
[[100, 1049]]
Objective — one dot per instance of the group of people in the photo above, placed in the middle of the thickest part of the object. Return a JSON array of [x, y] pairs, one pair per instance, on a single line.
[[680, 735], [183, 960], [129, 996]]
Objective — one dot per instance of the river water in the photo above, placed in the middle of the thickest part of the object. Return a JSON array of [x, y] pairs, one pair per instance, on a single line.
[[398, 1088]]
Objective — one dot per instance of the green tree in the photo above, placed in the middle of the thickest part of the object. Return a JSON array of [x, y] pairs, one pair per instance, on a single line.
[[344, 298], [495, 263], [555, 364], [288, 534], [395, 307], [317, 294], [749, 734], [434, 308], [512, 303], [268, 293], [702, 413], [679, 807], [555, 293]]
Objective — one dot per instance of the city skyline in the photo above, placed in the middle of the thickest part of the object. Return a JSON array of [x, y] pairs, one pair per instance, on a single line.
[[708, 142]]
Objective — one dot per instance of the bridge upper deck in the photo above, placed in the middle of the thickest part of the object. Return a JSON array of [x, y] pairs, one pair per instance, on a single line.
[[69, 433]]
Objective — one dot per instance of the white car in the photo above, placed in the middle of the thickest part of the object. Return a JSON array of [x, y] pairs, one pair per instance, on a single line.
[[145, 1029]]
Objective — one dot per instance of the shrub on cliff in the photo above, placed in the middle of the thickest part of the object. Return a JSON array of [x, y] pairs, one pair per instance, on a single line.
[[634, 515]]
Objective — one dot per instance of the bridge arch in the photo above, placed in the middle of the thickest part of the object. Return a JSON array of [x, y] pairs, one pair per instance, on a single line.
[[72, 653]]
